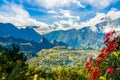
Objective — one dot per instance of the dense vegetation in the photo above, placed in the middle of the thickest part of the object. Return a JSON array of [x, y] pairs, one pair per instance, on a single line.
[[13, 66], [63, 63], [61, 56]]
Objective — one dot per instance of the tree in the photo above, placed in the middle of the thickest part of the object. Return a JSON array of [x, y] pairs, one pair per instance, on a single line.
[[12, 63]]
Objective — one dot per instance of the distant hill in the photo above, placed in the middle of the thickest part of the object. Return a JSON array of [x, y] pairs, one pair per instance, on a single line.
[[7, 29], [84, 38], [31, 47], [60, 43]]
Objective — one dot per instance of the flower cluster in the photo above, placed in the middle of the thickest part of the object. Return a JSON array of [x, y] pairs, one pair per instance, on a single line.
[[111, 42]]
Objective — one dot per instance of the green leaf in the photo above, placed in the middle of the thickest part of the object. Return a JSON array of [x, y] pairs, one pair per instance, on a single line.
[[15, 71], [103, 78], [115, 53]]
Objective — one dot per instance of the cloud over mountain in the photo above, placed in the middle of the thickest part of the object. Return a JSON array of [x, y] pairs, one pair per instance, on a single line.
[[17, 15], [50, 15]]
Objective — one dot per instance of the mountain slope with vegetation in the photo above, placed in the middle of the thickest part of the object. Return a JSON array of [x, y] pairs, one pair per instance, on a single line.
[[84, 38], [29, 47]]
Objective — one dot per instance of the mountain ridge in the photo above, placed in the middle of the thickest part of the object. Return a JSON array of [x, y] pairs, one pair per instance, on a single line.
[[31, 47], [23, 33], [83, 38], [89, 37]]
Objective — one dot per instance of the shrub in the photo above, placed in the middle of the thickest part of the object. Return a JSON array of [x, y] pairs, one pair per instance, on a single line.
[[107, 64]]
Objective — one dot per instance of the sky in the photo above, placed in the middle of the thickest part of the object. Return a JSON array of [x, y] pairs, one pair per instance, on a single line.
[[50, 15]]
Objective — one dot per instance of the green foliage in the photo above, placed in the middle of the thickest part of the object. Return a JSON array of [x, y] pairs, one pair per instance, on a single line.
[[58, 57], [53, 63], [13, 67], [12, 63], [114, 61]]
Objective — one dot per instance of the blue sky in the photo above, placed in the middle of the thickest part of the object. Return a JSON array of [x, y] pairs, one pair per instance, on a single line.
[[51, 15]]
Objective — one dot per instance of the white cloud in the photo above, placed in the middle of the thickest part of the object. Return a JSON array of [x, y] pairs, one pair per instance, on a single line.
[[44, 28], [65, 25], [95, 20], [66, 14], [100, 17], [52, 4], [61, 25], [52, 12], [15, 14], [99, 4], [113, 14]]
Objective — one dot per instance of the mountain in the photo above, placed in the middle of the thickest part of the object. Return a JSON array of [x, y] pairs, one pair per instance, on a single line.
[[45, 43], [26, 46], [90, 37], [31, 47], [60, 43], [84, 38], [27, 33]]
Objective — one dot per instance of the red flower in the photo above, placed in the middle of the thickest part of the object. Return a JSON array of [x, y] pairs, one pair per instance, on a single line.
[[88, 63], [113, 46], [109, 34], [95, 71], [110, 70], [98, 61], [117, 38], [103, 50], [101, 57]]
